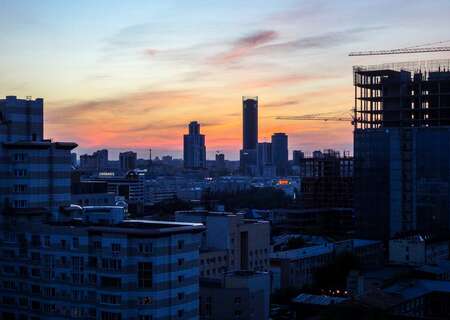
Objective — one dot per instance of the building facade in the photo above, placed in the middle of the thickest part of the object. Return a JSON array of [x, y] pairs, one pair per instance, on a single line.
[[127, 161], [93, 264], [34, 172], [249, 135]]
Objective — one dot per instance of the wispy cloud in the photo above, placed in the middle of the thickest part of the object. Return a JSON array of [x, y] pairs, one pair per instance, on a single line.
[[245, 45]]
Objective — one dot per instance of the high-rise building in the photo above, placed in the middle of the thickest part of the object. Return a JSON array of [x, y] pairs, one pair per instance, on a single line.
[[297, 156], [250, 122], [96, 162], [220, 161], [35, 173], [264, 160], [280, 153], [95, 264], [402, 148], [194, 151], [249, 135], [127, 161]]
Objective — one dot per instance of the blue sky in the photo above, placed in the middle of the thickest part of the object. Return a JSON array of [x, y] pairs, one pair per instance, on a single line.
[[132, 74]]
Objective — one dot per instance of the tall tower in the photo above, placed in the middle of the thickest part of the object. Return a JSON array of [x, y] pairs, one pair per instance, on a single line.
[[250, 122], [249, 135], [194, 151], [280, 153]]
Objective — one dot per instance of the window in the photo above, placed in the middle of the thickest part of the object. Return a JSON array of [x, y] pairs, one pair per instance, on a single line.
[[105, 315], [35, 272], [180, 313], [115, 247], [180, 295], [145, 317], [145, 274], [110, 299], [20, 204], [20, 188], [9, 269], [145, 248], [47, 241], [75, 243], [180, 279], [63, 243], [111, 282], [237, 300], [20, 172], [180, 261], [35, 289], [180, 244]]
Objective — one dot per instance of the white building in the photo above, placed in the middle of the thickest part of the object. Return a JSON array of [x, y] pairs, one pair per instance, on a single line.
[[418, 250], [246, 243]]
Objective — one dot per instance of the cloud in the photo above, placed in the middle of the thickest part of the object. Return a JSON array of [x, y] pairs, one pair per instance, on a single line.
[[244, 46], [285, 103]]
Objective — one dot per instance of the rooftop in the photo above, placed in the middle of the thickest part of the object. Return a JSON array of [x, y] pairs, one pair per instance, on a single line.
[[322, 300]]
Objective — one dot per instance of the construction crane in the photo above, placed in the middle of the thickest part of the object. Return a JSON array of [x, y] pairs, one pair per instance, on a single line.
[[427, 47]]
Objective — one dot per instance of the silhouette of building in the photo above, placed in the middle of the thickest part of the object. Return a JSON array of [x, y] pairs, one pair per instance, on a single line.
[[194, 148], [264, 160], [220, 161], [297, 156], [402, 148], [127, 161], [280, 153], [249, 135], [96, 162], [35, 172]]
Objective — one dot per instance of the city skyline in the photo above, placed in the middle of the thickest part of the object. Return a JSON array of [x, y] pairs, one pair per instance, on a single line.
[[131, 76]]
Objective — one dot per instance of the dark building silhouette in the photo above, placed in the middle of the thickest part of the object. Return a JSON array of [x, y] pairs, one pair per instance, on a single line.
[[250, 122], [402, 148], [264, 160], [249, 135], [127, 161], [194, 151], [327, 181], [280, 153]]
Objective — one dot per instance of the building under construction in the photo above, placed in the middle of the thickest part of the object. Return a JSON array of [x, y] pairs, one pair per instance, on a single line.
[[327, 180], [402, 147]]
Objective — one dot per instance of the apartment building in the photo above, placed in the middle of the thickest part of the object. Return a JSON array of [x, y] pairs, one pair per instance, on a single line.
[[230, 242], [94, 264]]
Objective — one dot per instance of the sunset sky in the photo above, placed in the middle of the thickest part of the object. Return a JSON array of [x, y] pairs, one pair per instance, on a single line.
[[130, 75]]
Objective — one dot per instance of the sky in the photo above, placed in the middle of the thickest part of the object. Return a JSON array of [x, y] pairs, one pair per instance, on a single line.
[[130, 75]]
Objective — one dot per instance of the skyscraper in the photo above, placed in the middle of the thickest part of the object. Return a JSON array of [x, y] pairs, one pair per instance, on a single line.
[[250, 122], [280, 153], [402, 148], [194, 151], [249, 135]]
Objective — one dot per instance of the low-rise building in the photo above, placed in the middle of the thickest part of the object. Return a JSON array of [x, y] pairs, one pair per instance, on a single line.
[[418, 250], [237, 295]]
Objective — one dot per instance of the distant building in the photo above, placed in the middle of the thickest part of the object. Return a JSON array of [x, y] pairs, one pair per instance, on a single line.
[[280, 153], [90, 193], [220, 161], [94, 264], [127, 161], [73, 159], [96, 162], [35, 172], [238, 295], [264, 160], [242, 245], [249, 135], [194, 150], [297, 155], [327, 181]]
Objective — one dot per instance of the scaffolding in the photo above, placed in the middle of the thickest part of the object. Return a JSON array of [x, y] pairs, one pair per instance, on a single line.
[[407, 94]]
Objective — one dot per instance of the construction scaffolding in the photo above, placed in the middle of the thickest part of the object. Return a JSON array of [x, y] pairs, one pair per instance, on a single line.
[[410, 94]]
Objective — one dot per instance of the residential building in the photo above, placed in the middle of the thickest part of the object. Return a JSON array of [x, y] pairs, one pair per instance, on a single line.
[[94, 264], [127, 161], [401, 148], [244, 244], [194, 149], [34, 172], [264, 163], [94, 163], [238, 295], [280, 153]]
